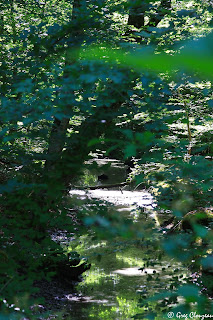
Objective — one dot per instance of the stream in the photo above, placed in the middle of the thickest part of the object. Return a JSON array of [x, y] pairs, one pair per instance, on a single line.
[[112, 287]]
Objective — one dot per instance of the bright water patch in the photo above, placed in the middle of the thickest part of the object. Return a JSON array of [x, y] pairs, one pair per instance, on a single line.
[[117, 197], [135, 271]]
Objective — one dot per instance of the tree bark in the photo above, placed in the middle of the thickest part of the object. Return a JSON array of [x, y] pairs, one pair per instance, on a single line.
[[59, 129]]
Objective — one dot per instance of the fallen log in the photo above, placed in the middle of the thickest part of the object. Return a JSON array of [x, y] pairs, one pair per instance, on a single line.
[[104, 186]]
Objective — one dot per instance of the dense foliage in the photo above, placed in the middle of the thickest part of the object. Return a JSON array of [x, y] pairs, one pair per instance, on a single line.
[[131, 79]]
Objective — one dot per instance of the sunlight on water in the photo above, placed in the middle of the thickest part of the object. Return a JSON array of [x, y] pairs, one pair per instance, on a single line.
[[134, 271], [117, 197], [118, 274]]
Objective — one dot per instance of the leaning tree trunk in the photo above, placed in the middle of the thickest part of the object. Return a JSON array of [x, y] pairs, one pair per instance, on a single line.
[[59, 129]]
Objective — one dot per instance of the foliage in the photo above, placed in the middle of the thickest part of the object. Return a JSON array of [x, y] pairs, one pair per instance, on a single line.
[[132, 81]]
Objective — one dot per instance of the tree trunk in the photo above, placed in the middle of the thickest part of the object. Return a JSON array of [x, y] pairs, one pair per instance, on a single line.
[[59, 129], [137, 15]]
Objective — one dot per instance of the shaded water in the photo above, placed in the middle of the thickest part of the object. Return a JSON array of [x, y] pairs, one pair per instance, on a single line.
[[112, 287], [117, 279]]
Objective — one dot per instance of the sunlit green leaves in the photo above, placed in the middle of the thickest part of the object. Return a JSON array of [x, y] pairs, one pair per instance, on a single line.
[[196, 56]]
